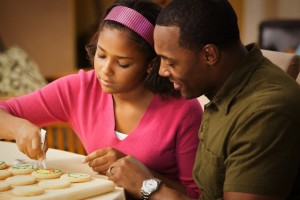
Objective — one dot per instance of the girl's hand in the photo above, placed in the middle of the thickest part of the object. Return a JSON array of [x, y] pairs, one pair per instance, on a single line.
[[28, 140], [101, 159]]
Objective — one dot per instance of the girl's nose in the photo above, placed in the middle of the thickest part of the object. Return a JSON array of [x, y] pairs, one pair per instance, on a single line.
[[107, 68]]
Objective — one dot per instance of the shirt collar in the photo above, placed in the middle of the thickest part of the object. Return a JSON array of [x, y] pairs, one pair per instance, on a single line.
[[237, 80]]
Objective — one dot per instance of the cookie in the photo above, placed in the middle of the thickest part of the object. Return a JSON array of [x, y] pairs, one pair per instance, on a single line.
[[47, 173], [4, 186], [54, 184], [22, 169], [18, 161], [76, 177], [2, 165], [30, 190], [20, 180], [4, 174]]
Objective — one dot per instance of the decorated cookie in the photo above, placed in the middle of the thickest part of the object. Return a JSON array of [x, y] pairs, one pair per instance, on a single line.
[[76, 177], [4, 174], [30, 190], [4, 186], [54, 184], [18, 161], [20, 180], [2, 165], [47, 173], [22, 169]]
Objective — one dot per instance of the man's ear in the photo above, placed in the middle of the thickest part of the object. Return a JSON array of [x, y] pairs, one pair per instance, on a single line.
[[211, 54]]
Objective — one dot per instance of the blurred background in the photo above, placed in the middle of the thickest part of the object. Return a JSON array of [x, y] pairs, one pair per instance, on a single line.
[[42, 40], [54, 33]]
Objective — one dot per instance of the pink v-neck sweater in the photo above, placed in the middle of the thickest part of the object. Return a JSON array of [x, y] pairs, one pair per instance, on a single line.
[[165, 139]]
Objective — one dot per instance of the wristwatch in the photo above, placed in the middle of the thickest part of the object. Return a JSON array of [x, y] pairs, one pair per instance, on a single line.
[[149, 187]]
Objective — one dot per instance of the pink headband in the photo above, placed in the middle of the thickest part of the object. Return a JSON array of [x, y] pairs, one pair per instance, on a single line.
[[133, 20]]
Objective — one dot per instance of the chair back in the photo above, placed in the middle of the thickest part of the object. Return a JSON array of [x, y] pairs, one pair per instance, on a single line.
[[288, 62], [61, 136]]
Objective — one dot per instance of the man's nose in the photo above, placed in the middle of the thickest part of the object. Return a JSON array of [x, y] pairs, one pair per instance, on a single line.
[[164, 71]]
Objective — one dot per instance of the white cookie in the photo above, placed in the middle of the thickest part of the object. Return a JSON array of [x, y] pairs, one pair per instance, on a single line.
[[20, 180], [54, 184], [22, 169], [30, 190], [47, 173], [76, 177], [2, 165], [4, 174], [4, 186]]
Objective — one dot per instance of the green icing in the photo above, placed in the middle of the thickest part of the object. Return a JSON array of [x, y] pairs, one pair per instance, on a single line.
[[24, 166], [77, 175]]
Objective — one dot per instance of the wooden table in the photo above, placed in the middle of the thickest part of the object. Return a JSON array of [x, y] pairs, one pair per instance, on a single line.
[[66, 161]]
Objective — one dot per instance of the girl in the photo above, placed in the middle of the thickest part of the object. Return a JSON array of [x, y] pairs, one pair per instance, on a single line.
[[120, 108]]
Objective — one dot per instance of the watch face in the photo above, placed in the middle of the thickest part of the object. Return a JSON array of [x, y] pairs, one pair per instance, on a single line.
[[151, 184]]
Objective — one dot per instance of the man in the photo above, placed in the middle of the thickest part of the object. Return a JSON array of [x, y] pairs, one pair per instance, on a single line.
[[250, 132]]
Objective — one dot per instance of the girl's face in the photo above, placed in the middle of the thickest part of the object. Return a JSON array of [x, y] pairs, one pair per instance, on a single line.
[[119, 65]]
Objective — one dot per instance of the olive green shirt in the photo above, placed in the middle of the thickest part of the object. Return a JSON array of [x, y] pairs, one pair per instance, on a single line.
[[250, 133]]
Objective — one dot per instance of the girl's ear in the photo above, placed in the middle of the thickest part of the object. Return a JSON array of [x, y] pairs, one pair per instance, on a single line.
[[211, 54], [149, 68], [151, 64]]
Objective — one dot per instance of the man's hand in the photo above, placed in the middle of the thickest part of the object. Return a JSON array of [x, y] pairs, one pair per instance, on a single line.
[[129, 173]]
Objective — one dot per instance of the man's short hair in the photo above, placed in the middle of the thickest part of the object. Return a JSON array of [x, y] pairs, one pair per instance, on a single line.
[[201, 22]]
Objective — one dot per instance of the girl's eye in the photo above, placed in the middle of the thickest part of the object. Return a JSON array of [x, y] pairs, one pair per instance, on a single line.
[[123, 65]]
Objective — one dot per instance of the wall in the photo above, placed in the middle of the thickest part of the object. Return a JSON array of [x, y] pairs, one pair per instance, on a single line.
[[44, 29], [88, 16], [255, 11], [48, 30], [238, 6]]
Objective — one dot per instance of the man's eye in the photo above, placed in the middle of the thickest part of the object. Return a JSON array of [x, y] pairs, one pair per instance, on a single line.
[[171, 64], [101, 56]]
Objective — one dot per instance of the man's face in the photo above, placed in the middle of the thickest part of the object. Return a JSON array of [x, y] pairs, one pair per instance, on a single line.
[[185, 68]]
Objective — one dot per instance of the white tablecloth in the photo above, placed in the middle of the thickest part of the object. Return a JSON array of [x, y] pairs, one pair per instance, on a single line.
[[66, 161]]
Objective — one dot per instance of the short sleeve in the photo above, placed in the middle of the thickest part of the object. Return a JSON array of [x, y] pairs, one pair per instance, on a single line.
[[263, 155]]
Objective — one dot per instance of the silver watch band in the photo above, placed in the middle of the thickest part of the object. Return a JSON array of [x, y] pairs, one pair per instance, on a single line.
[[148, 188]]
